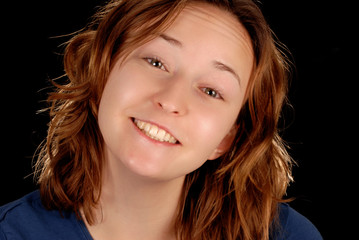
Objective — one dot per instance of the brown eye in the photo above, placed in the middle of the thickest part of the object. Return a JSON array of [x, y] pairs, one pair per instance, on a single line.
[[211, 92], [155, 63]]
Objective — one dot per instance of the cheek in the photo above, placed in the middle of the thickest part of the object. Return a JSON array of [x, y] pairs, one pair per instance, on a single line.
[[123, 89], [211, 128], [114, 96]]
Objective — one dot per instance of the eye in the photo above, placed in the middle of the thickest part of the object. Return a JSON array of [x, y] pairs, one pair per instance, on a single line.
[[211, 92], [155, 62]]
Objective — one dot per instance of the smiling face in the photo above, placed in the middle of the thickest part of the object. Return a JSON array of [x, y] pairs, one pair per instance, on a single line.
[[170, 106]]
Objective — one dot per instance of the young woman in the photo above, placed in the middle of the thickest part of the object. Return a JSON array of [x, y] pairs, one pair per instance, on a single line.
[[166, 129]]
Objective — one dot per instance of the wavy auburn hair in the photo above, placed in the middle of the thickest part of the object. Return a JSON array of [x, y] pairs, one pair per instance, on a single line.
[[234, 197]]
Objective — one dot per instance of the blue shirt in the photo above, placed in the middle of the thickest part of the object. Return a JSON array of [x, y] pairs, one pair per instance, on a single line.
[[27, 219]]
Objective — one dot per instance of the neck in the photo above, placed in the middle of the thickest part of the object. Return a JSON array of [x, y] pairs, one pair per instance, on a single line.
[[134, 207]]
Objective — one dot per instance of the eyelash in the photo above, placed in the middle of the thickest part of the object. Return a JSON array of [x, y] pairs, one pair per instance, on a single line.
[[210, 91], [158, 63]]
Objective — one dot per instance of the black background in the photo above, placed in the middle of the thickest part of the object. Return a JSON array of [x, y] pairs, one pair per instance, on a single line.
[[321, 132]]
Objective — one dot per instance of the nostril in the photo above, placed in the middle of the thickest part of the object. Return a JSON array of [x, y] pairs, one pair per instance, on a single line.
[[168, 108]]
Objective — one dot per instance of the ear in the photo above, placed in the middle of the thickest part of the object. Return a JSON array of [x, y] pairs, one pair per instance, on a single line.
[[225, 144]]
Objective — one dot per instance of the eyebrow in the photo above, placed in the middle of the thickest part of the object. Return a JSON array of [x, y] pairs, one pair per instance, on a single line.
[[171, 40], [218, 65], [224, 67]]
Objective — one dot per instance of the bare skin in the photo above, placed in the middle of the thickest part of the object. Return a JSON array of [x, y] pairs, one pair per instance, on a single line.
[[168, 109]]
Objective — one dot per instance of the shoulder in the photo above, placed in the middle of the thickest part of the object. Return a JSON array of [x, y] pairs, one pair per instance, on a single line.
[[294, 226], [28, 217]]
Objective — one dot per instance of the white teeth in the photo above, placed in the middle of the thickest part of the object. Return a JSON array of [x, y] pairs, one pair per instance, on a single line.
[[154, 132]]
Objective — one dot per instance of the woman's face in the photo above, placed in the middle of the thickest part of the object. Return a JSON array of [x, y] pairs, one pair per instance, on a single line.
[[170, 106]]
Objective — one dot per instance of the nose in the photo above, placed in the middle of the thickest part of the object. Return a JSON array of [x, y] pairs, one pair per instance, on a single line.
[[173, 97]]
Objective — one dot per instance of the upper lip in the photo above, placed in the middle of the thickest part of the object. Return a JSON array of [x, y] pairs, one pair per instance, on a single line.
[[160, 126]]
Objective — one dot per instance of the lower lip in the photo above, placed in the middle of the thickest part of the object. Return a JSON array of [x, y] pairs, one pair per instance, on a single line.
[[151, 139]]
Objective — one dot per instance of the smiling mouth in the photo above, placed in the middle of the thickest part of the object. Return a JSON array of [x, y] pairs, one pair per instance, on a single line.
[[155, 132]]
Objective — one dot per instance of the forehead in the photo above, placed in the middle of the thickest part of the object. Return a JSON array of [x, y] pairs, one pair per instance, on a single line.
[[211, 18], [208, 33]]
